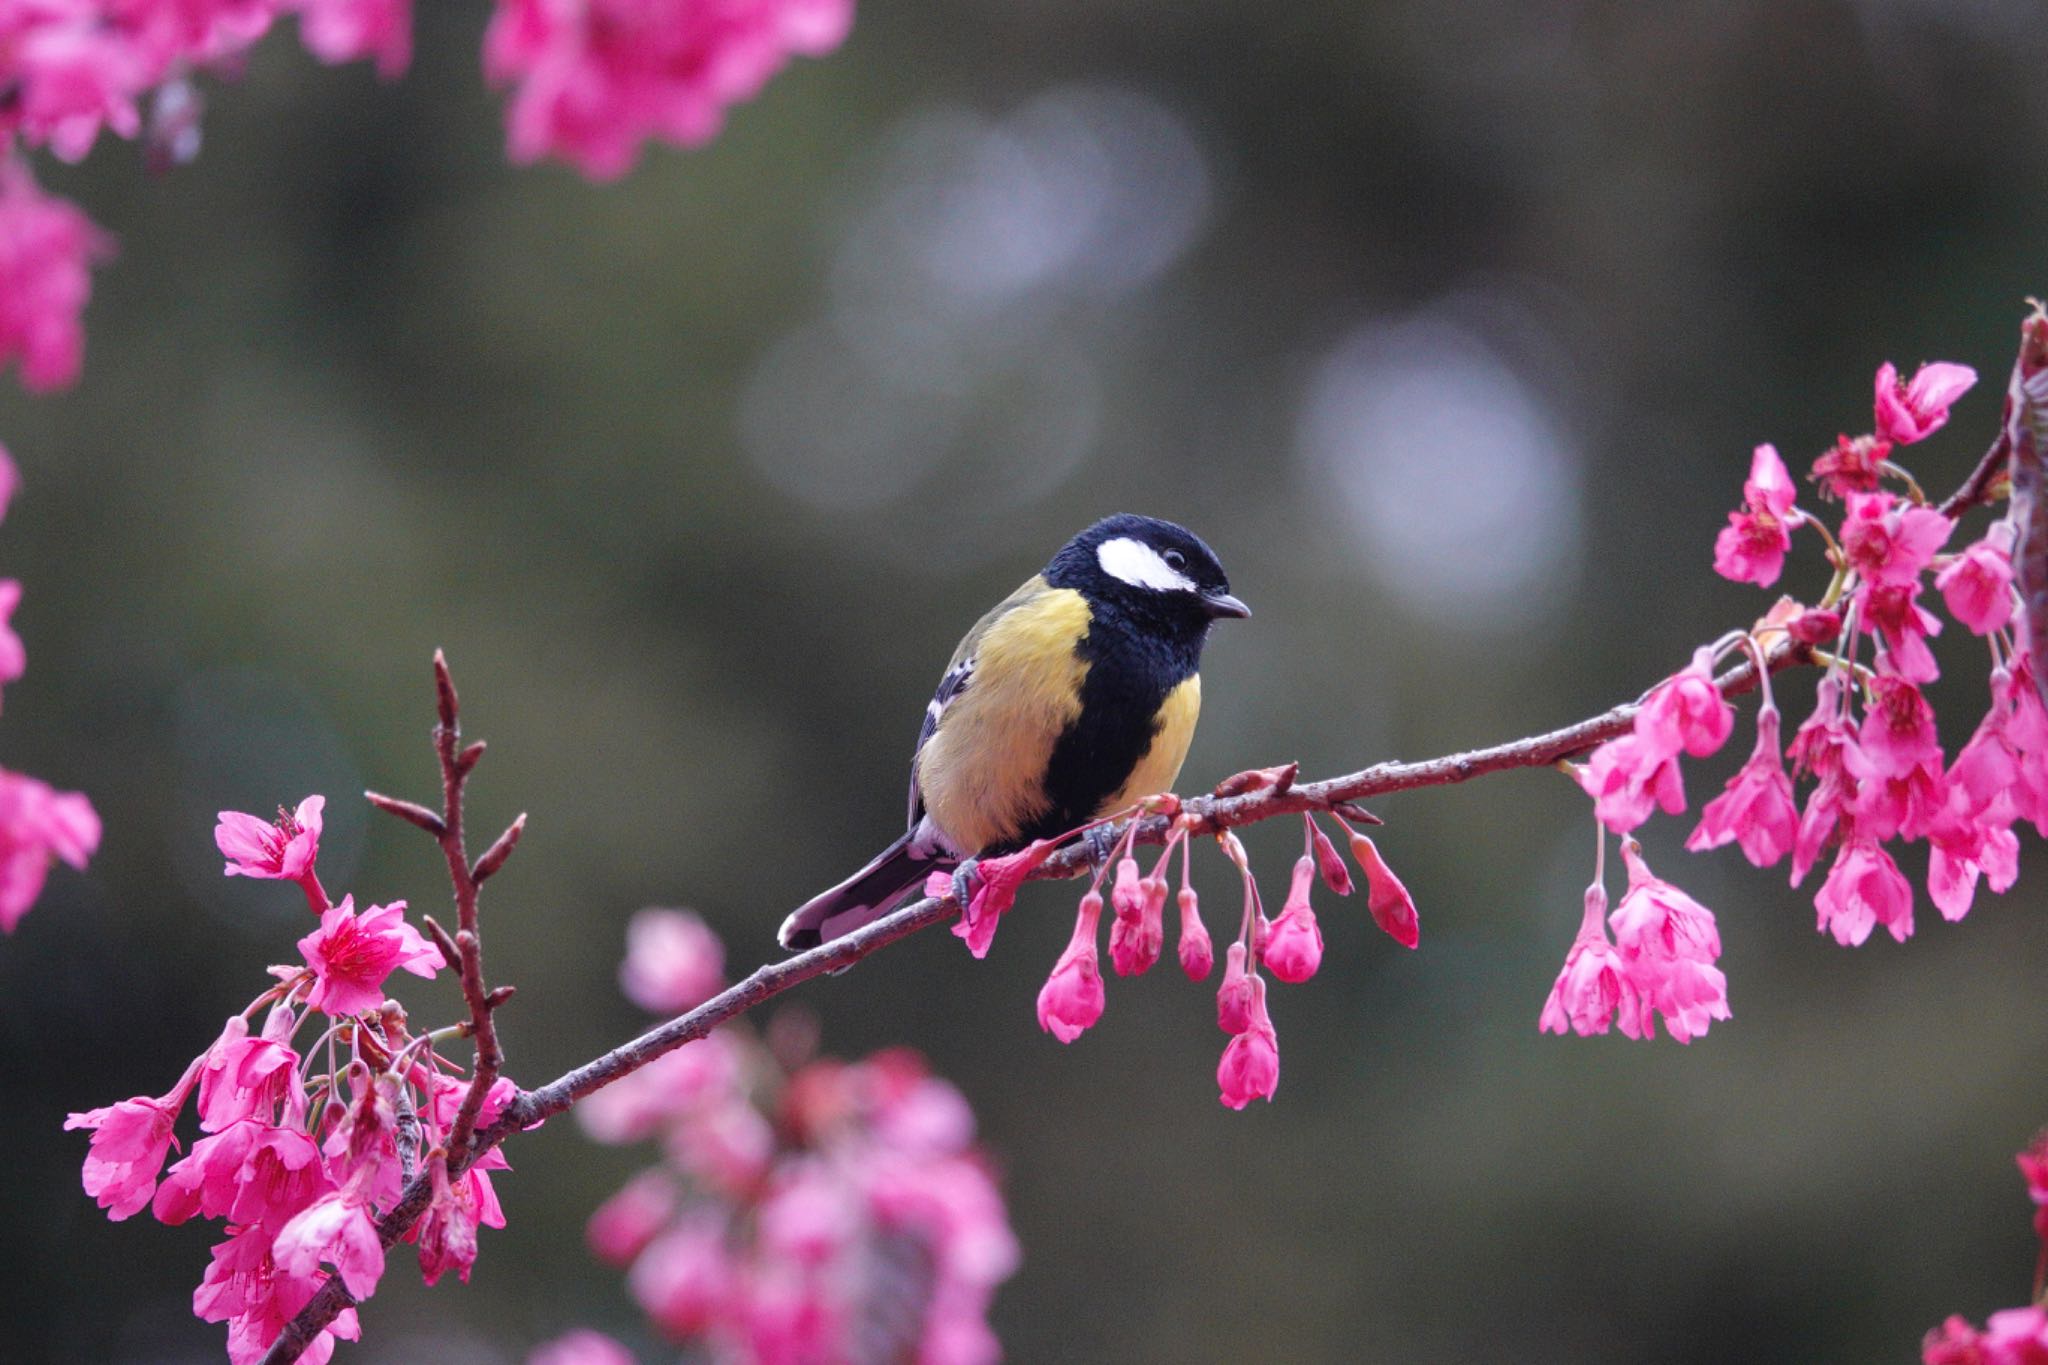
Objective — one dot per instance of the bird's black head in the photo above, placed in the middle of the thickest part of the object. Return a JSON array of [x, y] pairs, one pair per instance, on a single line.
[[1152, 569]]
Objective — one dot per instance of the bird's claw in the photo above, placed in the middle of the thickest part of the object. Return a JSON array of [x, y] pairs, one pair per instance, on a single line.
[[1100, 842], [964, 878]]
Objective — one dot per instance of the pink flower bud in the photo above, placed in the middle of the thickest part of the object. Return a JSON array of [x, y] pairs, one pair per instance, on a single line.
[[1234, 999], [1815, 626], [1072, 998], [1127, 899], [1978, 585], [1197, 956], [1393, 909], [1295, 948], [1251, 1060], [1335, 874]]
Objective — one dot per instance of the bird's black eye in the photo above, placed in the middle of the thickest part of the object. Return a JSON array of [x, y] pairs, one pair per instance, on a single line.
[[1175, 561]]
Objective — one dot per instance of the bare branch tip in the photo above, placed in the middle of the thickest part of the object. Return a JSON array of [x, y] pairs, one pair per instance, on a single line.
[[444, 691], [409, 811]]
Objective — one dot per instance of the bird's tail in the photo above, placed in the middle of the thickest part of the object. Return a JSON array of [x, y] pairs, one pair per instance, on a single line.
[[867, 895]]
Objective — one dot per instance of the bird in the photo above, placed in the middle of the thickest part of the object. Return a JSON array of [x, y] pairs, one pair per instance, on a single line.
[[1073, 698]]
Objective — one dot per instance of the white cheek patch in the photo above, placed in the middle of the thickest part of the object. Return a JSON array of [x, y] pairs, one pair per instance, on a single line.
[[1138, 564]]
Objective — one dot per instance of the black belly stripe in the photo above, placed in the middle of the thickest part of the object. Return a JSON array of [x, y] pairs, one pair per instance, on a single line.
[[1130, 673]]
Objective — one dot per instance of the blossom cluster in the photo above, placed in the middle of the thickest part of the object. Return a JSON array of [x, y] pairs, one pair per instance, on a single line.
[[2013, 1336], [1289, 945], [38, 824], [1879, 777], [592, 80], [298, 1159], [804, 1209]]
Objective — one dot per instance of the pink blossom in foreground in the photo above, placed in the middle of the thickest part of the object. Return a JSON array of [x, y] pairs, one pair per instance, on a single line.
[[1627, 778], [1888, 543], [1864, 889], [243, 1076], [1852, 465], [1593, 987], [580, 1347], [351, 955], [1197, 953], [595, 80], [996, 882], [284, 849], [1916, 409], [1904, 626], [1977, 585], [1686, 712], [674, 962], [1751, 548], [337, 1230], [1250, 1068], [1072, 999], [1668, 943], [2013, 1336], [47, 248], [246, 1288], [1960, 848], [13, 656], [1294, 950], [1137, 936], [38, 824], [446, 1232], [1386, 896], [338, 31], [129, 1142], [1756, 809]]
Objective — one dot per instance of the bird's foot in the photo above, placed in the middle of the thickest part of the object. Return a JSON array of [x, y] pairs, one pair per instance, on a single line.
[[965, 877], [1101, 841]]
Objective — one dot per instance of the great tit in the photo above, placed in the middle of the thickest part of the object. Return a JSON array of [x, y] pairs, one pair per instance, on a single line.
[[1075, 697]]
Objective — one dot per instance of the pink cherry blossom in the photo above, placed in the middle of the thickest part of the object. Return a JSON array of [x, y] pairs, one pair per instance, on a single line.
[[996, 881], [335, 1229], [1914, 410], [206, 1181], [1898, 736], [246, 1077], [246, 1288], [595, 80], [1961, 847], [129, 1143], [2013, 1336], [674, 961], [1904, 626], [1234, 997], [1386, 896], [1977, 584], [1072, 1000], [47, 249], [580, 1347], [1137, 936], [13, 656], [338, 31], [351, 955], [1686, 712], [1593, 985], [1668, 943], [1294, 950], [1756, 808], [1864, 889], [1197, 954], [1627, 777], [1752, 546], [1852, 465], [284, 849], [625, 1223], [684, 1280], [38, 824], [1250, 1068], [446, 1232], [1890, 544]]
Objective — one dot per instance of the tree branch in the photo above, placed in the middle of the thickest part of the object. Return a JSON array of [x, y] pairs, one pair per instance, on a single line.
[[1206, 814]]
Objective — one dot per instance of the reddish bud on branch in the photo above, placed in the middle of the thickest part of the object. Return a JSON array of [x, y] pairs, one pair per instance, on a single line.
[[410, 811], [495, 856]]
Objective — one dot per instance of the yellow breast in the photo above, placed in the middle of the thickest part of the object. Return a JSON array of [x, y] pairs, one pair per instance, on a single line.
[[982, 774], [1160, 767]]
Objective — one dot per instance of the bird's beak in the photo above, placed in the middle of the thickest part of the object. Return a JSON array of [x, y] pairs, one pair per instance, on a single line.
[[1223, 604]]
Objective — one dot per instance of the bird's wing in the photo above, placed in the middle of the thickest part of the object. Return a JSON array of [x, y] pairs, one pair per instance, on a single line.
[[959, 673]]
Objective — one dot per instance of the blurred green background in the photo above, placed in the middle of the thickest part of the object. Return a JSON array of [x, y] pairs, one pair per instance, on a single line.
[[1451, 327]]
